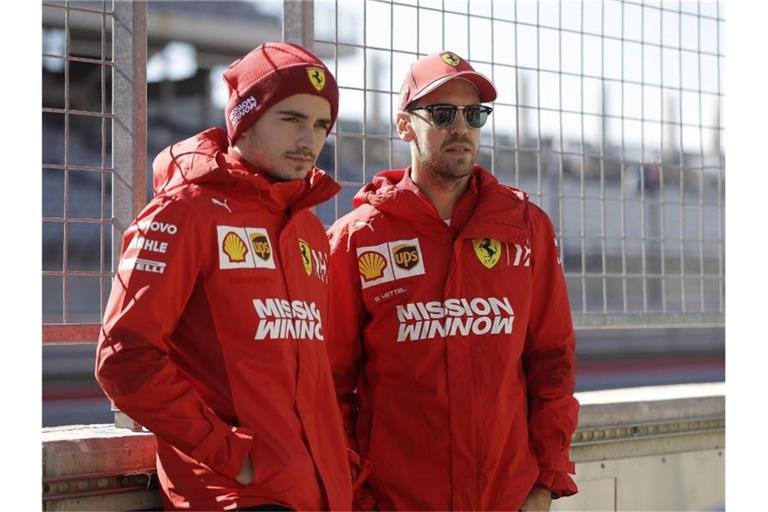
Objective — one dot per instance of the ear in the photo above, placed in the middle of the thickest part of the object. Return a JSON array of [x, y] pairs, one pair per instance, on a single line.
[[404, 128]]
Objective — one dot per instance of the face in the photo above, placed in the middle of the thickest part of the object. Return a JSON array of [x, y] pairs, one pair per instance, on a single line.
[[286, 140], [445, 152]]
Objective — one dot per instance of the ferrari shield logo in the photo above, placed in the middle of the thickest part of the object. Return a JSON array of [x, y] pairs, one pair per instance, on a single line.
[[306, 256], [316, 78], [488, 251], [450, 58]]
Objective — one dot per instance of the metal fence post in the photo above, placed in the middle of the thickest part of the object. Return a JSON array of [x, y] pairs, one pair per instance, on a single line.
[[299, 23], [129, 132]]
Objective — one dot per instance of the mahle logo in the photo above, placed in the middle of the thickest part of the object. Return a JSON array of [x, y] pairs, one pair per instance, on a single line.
[[488, 251], [371, 265], [234, 247], [306, 257], [406, 256], [261, 246]]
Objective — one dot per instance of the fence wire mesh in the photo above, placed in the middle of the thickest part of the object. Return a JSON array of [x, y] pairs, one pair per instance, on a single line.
[[77, 180], [608, 115], [93, 171]]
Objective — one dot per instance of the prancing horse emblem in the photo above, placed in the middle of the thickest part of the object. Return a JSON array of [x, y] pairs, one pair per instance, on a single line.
[[450, 58], [316, 78], [487, 250], [305, 256]]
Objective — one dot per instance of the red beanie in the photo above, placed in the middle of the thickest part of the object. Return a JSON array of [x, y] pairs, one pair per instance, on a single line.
[[270, 73]]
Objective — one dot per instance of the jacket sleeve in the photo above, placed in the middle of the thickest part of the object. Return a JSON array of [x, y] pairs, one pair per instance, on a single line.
[[345, 348], [549, 362], [160, 265]]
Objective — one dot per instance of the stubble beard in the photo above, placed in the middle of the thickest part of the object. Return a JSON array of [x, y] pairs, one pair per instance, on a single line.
[[445, 171], [290, 171]]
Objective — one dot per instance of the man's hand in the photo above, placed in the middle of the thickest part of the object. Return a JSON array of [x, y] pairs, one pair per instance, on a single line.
[[539, 499], [246, 473]]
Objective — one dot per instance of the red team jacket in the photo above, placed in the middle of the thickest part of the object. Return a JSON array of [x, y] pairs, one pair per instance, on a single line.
[[214, 335], [452, 347]]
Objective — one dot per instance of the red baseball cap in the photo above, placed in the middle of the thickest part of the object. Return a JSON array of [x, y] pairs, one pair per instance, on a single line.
[[430, 72], [269, 74]]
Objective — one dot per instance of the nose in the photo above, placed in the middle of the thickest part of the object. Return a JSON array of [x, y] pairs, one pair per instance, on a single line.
[[459, 125], [306, 138]]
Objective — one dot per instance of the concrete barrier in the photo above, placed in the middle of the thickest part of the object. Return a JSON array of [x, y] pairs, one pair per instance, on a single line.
[[657, 448]]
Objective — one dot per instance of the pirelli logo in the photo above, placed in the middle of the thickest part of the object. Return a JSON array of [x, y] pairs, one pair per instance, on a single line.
[[151, 266]]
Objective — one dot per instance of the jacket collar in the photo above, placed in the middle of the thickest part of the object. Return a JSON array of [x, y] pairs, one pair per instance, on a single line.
[[486, 204], [207, 160]]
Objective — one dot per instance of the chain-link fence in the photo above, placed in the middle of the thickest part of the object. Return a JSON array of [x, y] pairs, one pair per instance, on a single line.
[[608, 115], [94, 142]]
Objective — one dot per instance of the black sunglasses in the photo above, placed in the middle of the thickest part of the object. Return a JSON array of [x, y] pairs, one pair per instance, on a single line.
[[444, 114]]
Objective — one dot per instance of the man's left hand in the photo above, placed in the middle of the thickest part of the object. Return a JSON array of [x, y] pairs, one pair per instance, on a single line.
[[539, 499]]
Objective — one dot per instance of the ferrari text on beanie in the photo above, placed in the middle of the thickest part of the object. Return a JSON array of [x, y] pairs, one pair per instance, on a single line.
[[270, 73], [430, 72]]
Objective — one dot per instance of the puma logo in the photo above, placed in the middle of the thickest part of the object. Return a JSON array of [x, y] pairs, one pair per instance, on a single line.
[[361, 224], [220, 203]]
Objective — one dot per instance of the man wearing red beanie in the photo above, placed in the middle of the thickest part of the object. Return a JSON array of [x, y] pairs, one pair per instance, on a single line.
[[451, 340], [214, 334]]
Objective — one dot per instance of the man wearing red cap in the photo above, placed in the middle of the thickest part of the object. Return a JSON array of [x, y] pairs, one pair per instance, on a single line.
[[450, 338], [214, 335]]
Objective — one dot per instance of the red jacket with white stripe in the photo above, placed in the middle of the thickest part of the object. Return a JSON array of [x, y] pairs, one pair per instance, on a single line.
[[452, 347], [214, 334]]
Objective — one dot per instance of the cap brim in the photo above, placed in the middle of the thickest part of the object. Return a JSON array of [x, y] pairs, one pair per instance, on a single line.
[[485, 88]]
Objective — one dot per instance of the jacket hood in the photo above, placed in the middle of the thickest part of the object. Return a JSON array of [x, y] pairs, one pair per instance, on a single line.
[[204, 159], [380, 189], [394, 192]]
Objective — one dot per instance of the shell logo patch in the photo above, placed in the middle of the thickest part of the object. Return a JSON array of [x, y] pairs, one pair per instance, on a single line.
[[261, 246], [243, 247], [234, 247], [306, 256], [450, 58], [406, 256], [316, 78], [487, 250], [371, 265]]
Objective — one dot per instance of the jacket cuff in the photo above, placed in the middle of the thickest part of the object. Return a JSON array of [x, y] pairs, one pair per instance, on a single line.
[[224, 450], [559, 484]]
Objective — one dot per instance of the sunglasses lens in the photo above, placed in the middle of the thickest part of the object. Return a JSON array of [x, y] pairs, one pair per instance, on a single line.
[[443, 116], [476, 116]]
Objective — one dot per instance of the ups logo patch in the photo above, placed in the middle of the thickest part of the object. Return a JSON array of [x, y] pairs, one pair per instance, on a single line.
[[406, 256], [261, 246]]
